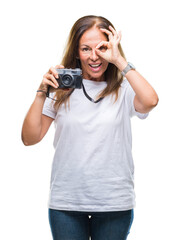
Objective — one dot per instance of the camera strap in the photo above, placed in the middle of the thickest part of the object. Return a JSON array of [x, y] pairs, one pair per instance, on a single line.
[[85, 93], [92, 100]]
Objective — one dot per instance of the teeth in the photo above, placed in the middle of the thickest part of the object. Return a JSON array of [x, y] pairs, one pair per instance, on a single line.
[[95, 65]]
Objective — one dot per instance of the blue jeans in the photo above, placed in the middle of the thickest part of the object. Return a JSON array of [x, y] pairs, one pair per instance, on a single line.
[[74, 225]]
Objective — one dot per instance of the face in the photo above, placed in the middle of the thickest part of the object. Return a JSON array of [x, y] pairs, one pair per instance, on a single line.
[[93, 67]]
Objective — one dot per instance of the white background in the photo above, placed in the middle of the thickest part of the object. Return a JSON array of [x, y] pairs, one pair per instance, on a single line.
[[33, 35]]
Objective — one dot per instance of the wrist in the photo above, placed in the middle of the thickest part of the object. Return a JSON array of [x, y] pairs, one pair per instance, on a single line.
[[41, 94], [121, 63]]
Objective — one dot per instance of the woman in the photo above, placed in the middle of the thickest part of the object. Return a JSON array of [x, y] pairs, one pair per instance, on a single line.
[[92, 191]]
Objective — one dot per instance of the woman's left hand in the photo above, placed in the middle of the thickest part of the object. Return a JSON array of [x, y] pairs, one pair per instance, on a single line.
[[109, 50]]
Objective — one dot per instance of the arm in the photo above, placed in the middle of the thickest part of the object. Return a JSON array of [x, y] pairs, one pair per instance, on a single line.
[[35, 123], [146, 98]]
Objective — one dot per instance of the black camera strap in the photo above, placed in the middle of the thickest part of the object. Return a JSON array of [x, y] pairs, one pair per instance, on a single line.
[[92, 100], [85, 93]]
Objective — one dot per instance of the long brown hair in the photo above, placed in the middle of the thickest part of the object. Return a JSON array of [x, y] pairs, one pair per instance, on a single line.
[[113, 76]]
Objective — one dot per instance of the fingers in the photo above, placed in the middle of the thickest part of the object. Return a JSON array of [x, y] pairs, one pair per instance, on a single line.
[[102, 45], [113, 30], [112, 33], [53, 71], [109, 33], [50, 77], [119, 35], [115, 34], [101, 48], [59, 66]]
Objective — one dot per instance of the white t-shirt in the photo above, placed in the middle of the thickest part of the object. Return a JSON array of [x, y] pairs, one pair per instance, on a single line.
[[93, 167]]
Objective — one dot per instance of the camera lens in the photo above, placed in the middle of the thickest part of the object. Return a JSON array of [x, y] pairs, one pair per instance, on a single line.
[[67, 80]]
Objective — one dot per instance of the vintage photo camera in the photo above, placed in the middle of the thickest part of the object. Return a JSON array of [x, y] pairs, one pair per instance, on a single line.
[[69, 78]]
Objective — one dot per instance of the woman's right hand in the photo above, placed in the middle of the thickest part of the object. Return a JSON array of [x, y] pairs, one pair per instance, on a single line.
[[49, 79]]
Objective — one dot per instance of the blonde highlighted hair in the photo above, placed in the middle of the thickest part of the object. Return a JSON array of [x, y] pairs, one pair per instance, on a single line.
[[113, 75]]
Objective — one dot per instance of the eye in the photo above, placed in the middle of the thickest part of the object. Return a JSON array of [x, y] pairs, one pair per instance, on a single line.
[[85, 49], [103, 48]]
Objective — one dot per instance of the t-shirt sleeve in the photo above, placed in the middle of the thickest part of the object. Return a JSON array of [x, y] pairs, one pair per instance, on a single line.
[[48, 108], [129, 95]]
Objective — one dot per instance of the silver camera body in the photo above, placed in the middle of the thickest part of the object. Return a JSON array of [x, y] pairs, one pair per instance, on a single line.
[[69, 78]]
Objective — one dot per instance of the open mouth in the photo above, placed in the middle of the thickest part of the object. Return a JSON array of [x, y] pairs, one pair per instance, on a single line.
[[95, 66]]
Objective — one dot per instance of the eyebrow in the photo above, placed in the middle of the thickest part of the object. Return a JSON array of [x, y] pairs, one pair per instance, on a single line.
[[84, 45]]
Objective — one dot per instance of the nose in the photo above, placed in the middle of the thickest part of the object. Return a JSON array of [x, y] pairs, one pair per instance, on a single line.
[[94, 57]]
